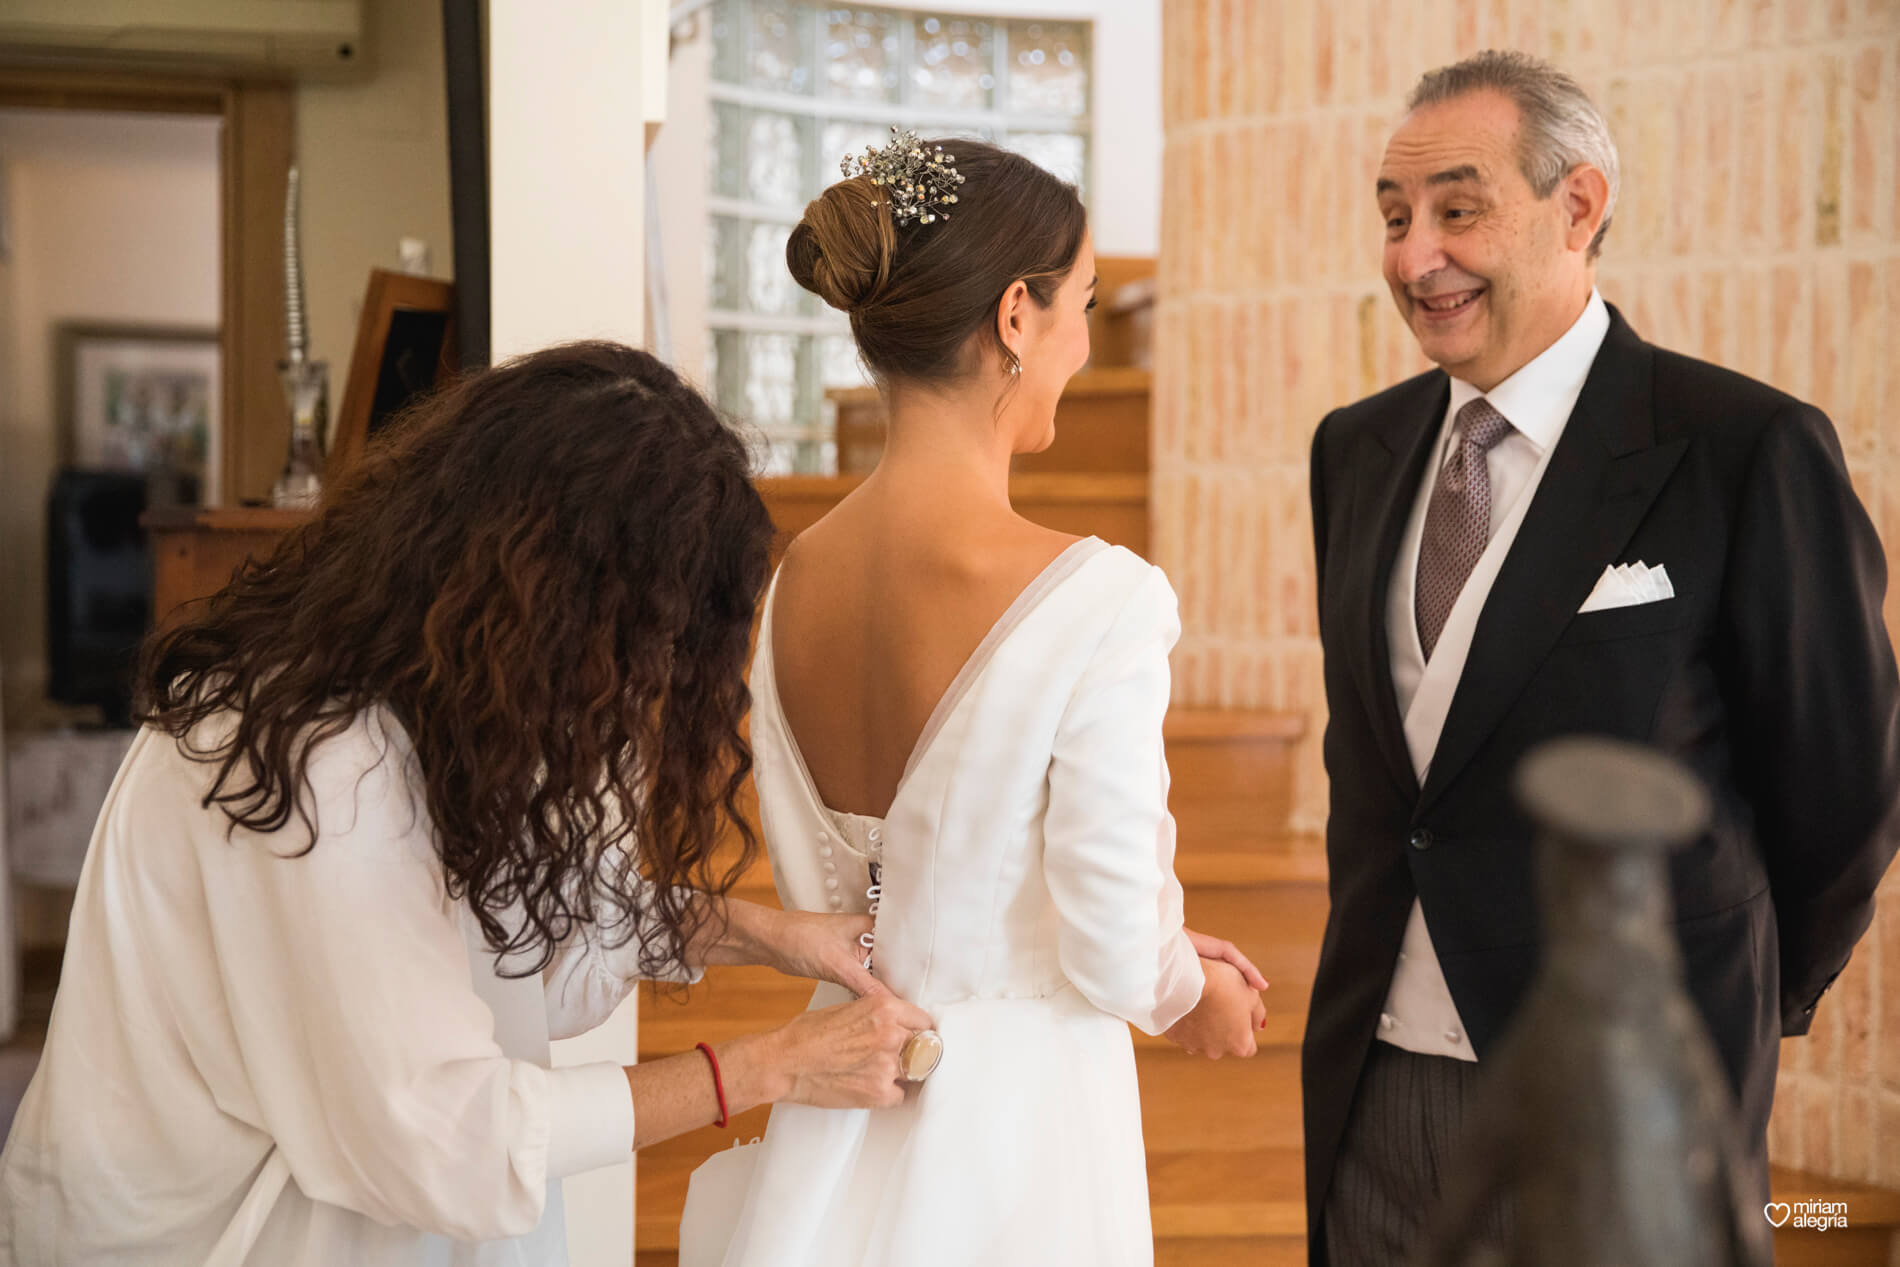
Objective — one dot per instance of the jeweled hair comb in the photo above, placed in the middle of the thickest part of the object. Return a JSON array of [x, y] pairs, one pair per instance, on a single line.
[[922, 183]]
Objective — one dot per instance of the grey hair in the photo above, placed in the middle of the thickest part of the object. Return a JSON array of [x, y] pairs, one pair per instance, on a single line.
[[1562, 127]]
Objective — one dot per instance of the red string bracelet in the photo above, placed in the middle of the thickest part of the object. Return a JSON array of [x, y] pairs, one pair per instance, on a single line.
[[719, 1084]]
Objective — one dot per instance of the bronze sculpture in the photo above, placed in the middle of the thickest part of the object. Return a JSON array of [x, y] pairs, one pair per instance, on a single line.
[[1604, 1122]]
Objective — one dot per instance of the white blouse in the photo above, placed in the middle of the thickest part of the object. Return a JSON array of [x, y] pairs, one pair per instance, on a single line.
[[299, 1060]]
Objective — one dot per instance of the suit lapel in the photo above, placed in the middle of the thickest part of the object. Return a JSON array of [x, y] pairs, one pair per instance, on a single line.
[[1388, 473], [1606, 472]]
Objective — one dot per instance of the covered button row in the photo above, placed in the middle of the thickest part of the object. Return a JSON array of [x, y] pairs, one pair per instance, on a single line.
[[836, 900], [875, 834]]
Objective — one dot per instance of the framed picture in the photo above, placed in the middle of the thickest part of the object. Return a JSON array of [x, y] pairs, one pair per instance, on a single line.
[[141, 398], [405, 349]]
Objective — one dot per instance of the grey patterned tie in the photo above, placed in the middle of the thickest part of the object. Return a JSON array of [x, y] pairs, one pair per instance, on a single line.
[[1458, 521]]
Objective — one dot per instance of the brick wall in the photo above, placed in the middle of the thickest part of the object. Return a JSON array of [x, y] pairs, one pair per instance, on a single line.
[[1758, 228]]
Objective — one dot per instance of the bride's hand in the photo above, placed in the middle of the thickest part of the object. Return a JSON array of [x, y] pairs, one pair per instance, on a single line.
[[1226, 1019], [825, 948], [846, 1057]]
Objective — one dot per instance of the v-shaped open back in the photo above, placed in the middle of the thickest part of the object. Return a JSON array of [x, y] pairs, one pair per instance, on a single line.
[[1021, 892], [765, 666]]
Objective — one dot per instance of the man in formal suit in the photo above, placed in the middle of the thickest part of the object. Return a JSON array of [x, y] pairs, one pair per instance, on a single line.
[[1465, 523]]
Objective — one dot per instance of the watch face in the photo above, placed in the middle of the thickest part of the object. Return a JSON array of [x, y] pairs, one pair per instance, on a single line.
[[920, 1055]]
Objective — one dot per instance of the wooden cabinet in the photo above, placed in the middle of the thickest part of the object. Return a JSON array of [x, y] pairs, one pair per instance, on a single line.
[[194, 552]]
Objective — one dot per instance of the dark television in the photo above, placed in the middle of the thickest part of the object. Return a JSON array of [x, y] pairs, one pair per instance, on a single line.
[[99, 588]]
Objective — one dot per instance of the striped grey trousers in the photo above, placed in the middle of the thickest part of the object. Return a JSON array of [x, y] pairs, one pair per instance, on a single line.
[[1401, 1136]]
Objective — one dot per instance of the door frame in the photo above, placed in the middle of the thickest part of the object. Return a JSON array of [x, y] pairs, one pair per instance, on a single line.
[[255, 147]]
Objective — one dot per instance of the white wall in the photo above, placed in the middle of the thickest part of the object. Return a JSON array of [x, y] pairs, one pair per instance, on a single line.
[[1124, 202], [569, 89], [1125, 205], [678, 169], [111, 217], [566, 177], [374, 155], [115, 217]]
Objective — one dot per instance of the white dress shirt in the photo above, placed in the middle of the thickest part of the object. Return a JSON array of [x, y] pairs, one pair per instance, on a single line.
[[1419, 1012], [301, 1061]]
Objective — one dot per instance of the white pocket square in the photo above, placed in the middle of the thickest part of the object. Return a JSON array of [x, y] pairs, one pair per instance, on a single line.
[[1627, 585]]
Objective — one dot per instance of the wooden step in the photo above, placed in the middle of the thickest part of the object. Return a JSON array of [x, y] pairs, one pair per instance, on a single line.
[[1113, 507], [1101, 426], [1243, 1208], [1231, 775], [1210, 1196], [1251, 1251], [1292, 862], [1189, 1104]]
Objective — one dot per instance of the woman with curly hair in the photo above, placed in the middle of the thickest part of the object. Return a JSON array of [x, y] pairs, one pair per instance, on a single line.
[[434, 783]]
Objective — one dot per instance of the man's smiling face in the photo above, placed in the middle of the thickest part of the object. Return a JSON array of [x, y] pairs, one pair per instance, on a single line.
[[1483, 270]]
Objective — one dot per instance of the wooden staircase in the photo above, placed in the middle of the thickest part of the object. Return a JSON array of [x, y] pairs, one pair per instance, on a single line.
[[1101, 426]]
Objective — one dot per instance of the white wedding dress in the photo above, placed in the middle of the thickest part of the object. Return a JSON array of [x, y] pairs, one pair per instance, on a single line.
[[1025, 897]]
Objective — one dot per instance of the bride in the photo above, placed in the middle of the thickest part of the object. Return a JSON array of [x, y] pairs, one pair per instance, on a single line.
[[957, 727]]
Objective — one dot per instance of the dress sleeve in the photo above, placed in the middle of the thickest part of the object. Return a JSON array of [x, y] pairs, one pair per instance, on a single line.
[[366, 1054], [595, 969], [1108, 837]]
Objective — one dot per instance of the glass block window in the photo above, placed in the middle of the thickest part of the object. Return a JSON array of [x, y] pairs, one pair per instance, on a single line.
[[797, 85]]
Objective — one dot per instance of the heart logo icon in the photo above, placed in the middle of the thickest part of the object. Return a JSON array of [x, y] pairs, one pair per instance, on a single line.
[[1777, 1212]]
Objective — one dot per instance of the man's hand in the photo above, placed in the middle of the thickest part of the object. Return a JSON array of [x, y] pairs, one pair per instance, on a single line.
[[1226, 1019], [1214, 948]]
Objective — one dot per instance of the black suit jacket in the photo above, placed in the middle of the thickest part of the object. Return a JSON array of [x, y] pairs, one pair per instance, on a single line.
[[1770, 674]]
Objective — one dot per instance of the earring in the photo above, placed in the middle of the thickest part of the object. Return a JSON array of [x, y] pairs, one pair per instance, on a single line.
[[1016, 366]]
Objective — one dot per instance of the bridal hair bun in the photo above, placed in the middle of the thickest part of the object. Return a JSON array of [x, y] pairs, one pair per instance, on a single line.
[[919, 244], [842, 250]]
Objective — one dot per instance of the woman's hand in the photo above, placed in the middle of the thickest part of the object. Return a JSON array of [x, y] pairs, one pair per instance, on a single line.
[[843, 1057], [824, 948], [797, 943], [1226, 1019], [846, 1057]]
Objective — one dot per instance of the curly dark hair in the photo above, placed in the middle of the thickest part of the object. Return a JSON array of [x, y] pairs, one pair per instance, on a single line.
[[547, 575]]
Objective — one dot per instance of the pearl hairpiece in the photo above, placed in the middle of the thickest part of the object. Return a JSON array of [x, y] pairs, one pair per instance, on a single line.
[[922, 183]]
